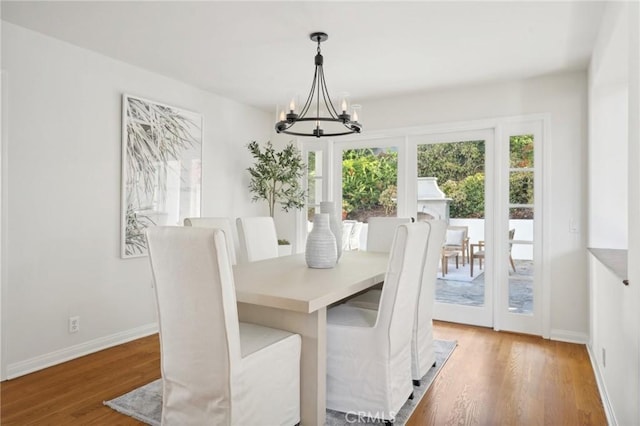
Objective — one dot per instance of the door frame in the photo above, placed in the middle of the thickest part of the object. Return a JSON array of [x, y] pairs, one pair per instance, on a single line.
[[4, 141]]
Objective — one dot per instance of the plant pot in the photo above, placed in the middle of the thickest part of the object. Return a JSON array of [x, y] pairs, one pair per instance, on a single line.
[[284, 250]]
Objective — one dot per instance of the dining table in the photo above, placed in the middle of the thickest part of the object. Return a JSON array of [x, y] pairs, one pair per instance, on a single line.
[[285, 293]]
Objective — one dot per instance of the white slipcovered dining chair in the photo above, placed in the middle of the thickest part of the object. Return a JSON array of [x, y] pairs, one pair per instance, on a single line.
[[369, 351], [212, 365], [423, 355], [223, 223], [380, 232], [258, 238]]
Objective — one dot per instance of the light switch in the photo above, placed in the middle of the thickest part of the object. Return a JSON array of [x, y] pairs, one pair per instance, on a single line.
[[574, 226]]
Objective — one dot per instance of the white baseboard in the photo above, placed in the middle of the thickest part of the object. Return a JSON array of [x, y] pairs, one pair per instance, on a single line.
[[569, 336], [56, 357], [604, 396]]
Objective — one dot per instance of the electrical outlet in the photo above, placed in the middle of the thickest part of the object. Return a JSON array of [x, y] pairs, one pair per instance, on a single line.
[[604, 357], [74, 324]]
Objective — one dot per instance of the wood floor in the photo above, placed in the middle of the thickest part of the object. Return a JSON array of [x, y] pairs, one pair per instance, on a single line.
[[491, 379], [497, 378]]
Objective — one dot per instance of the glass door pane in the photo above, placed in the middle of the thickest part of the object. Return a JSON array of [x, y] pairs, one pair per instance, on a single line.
[[314, 186], [518, 262], [454, 181], [369, 189], [521, 224], [369, 182], [451, 186]]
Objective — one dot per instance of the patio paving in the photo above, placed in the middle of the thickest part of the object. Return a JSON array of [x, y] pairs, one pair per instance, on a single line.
[[472, 293]]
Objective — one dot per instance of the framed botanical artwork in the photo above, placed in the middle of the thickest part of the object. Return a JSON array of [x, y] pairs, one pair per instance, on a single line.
[[161, 169]]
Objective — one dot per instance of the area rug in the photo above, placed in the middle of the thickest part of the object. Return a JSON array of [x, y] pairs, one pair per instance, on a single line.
[[462, 273], [145, 403]]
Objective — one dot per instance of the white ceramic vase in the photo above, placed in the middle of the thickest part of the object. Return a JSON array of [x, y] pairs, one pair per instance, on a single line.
[[321, 249], [335, 223]]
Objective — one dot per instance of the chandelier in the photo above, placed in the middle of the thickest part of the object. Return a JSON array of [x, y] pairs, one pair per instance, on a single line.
[[318, 109]]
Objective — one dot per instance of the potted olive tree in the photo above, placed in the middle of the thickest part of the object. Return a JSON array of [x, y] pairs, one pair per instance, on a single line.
[[276, 178]]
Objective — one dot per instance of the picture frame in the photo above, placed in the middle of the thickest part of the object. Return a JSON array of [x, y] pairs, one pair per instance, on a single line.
[[161, 169]]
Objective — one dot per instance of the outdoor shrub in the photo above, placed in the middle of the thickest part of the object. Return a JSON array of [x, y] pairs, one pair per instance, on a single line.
[[369, 177], [467, 196], [388, 199], [521, 188], [365, 175], [451, 161]]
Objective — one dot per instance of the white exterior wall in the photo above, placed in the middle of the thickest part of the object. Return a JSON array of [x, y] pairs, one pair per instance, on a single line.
[[62, 199], [524, 232]]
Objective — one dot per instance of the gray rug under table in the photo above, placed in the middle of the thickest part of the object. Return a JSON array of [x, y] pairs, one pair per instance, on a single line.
[[145, 403]]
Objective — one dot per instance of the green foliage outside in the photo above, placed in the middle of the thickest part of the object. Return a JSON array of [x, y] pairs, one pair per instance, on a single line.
[[365, 176], [369, 178], [467, 196], [388, 199], [521, 181], [521, 151], [451, 161], [459, 169]]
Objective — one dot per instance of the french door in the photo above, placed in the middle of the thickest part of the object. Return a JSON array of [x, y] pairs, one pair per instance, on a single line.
[[518, 262], [491, 180], [461, 166]]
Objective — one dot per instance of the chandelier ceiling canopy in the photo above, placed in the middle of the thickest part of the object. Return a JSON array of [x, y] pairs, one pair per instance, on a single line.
[[318, 110]]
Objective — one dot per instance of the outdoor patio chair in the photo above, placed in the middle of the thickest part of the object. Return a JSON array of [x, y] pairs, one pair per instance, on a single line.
[[479, 253], [458, 239]]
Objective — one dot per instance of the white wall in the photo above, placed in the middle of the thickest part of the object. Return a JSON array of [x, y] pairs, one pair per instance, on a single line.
[[63, 198], [564, 97], [608, 167], [614, 150], [608, 139]]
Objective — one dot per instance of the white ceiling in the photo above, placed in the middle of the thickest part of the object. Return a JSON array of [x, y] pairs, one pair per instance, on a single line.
[[259, 52]]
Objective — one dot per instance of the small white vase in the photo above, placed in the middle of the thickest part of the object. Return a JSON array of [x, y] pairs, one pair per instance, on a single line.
[[335, 223], [321, 249]]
